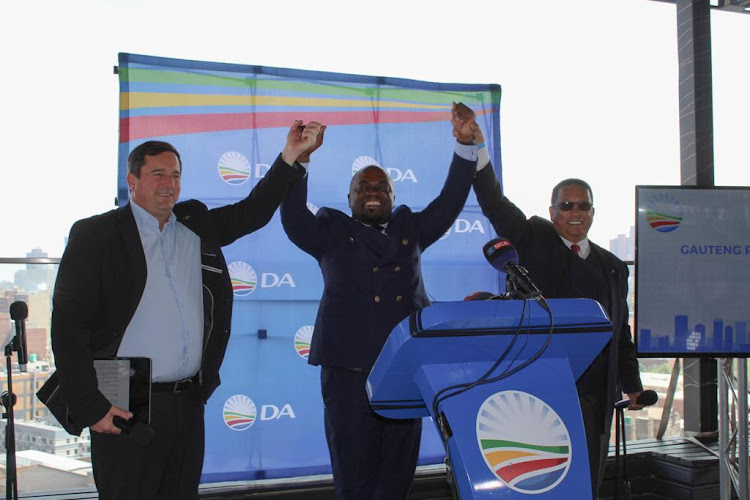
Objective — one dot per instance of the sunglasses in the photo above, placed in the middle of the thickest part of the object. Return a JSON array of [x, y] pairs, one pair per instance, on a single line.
[[567, 206]]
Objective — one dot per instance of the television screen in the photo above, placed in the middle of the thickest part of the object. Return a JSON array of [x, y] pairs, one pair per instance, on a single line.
[[692, 271]]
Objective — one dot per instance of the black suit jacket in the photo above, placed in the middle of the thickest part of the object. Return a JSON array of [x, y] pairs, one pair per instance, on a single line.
[[559, 273], [371, 281], [102, 276]]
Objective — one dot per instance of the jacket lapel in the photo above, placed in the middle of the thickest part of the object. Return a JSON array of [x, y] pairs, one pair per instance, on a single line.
[[136, 260], [375, 241]]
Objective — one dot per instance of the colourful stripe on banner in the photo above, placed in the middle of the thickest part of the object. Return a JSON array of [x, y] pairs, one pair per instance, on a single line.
[[196, 79], [141, 127], [137, 100]]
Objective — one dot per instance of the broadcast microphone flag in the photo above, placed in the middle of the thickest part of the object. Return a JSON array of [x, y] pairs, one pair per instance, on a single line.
[[501, 255]]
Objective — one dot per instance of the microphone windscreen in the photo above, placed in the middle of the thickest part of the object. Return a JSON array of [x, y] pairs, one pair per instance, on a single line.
[[499, 252], [19, 310], [648, 398]]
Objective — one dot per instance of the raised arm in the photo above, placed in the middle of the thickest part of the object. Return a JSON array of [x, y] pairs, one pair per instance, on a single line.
[[437, 217], [252, 213], [300, 225], [506, 218]]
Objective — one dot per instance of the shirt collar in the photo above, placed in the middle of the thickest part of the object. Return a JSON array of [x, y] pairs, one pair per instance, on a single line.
[[382, 224], [585, 247], [144, 219]]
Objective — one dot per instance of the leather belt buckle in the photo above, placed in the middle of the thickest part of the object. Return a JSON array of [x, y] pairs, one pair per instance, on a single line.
[[183, 385]]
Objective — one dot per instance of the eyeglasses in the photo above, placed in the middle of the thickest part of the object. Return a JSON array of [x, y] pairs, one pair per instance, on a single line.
[[567, 206]]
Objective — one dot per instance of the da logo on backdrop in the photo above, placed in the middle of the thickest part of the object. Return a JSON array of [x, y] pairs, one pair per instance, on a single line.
[[664, 213], [234, 168], [244, 279], [523, 441], [239, 412], [397, 175], [302, 340], [465, 226]]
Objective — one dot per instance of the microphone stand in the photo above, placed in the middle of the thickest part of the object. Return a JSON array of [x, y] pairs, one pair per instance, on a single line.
[[8, 401]]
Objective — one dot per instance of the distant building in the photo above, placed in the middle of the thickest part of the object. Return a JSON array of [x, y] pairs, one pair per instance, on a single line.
[[624, 246], [36, 277], [52, 476], [28, 407], [49, 439]]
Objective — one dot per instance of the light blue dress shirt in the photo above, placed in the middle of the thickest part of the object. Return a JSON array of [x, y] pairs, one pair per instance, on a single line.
[[168, 324]]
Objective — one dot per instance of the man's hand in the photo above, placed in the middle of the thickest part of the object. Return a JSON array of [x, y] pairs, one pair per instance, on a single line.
[[464, 124], [106, 426], [633, 396], [299, 140], [305, 156]]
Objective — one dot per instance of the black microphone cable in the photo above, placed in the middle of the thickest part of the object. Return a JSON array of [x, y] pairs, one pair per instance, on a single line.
[[465, 386], [441, 395]]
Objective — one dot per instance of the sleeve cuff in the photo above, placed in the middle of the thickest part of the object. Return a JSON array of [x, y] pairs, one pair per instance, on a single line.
[[466, 151], [483, 157]]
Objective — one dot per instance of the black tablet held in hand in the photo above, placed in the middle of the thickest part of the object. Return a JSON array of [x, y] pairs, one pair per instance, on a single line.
[[126, 382]]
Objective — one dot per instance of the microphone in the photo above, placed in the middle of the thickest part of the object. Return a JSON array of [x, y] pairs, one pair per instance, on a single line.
[[19, 311], [502, 256], [646, 398]]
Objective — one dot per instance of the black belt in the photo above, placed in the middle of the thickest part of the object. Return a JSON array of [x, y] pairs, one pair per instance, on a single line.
[[178, 386]]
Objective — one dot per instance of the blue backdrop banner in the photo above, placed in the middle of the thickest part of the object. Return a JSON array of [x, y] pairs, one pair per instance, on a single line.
[[229, 123]]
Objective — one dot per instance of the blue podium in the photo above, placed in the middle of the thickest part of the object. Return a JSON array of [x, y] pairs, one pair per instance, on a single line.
[[519, 432]]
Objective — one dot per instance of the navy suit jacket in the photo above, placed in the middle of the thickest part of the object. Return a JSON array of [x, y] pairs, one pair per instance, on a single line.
[[559, 273], [102, 276], [371, 281]]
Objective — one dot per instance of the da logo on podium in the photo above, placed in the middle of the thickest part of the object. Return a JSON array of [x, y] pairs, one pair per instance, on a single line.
[[524, 442]]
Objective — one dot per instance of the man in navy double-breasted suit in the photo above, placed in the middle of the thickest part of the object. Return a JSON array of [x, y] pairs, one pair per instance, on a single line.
[[372, 280]]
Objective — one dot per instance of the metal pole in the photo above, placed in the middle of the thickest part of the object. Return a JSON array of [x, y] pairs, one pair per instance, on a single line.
[[742, 446], [725, 489]]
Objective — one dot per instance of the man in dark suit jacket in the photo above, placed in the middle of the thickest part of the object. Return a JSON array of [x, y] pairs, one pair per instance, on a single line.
[[564, 263], [372, 280], [106, 286]]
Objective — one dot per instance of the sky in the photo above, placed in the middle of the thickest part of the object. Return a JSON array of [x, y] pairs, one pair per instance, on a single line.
[[589, 88]]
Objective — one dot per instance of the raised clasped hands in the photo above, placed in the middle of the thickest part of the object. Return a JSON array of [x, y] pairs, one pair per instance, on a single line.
[[464, 123], [301, 141]]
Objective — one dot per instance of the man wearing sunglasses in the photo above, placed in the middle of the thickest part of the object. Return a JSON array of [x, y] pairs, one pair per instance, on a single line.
[[564, 263]]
